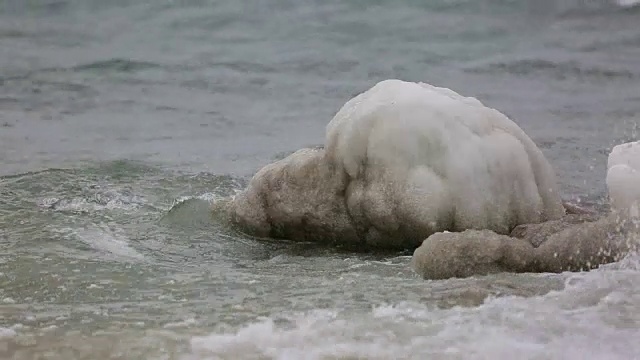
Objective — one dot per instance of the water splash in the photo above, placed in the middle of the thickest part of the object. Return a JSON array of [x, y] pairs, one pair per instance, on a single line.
[[109, 199], [108, 241], [593, 316]]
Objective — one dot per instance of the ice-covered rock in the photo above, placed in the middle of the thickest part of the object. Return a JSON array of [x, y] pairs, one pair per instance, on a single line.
[[579, 241], [403, 161], [575, 246], [471, 252]]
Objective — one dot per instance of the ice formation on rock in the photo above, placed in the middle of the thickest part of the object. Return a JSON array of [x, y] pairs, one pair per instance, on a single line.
[[575, 242], [403, 161]]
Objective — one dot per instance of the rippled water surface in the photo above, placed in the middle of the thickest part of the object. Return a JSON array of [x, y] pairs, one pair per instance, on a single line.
[[122, 121]]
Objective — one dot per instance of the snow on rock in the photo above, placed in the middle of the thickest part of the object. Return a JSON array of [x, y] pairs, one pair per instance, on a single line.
[[403, 161], [574, 243]]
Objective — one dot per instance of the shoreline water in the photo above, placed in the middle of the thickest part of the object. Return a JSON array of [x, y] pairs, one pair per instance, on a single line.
[[112, 112]]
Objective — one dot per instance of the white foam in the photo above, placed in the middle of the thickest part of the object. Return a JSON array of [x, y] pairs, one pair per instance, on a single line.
[[109, 241], [7, 333], [593, 317], [181, 324], [101, 201], [210, 197], [627, 3]]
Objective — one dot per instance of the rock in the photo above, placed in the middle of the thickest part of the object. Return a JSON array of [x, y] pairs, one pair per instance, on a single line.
[[471, 252], [403, 161], [553, 247]]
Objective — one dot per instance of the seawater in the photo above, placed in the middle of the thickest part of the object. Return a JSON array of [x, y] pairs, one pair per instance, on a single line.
[[122, 121]]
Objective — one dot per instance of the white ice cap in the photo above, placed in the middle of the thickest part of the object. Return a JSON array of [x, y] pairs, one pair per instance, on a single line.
[[623, 177]]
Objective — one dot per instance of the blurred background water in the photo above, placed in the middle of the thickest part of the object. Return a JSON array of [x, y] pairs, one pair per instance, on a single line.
[[121, 121]]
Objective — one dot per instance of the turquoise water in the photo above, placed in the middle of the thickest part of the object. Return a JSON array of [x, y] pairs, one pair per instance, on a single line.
[[122, 121]]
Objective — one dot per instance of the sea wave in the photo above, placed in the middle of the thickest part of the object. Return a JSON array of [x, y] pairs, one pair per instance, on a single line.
[[592, 316]]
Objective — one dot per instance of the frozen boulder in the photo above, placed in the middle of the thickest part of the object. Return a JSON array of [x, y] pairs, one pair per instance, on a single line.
[[578, 241], [298, 198], [537, 234], [586, 246], [576, 246], [471, 252], [403, 161]]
